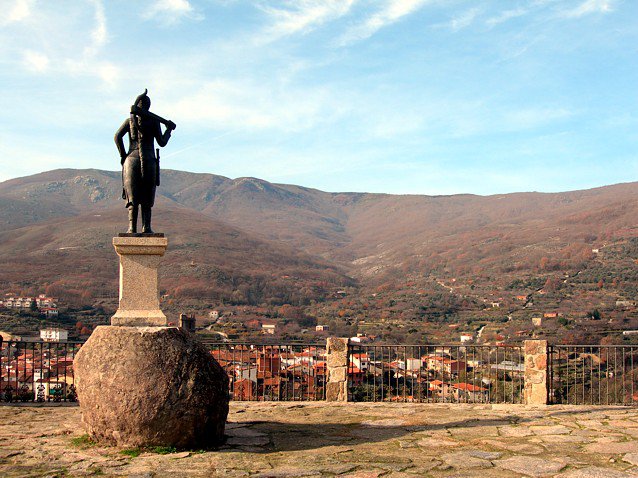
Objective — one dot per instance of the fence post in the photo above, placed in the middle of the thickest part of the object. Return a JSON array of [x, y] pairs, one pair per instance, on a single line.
[[337, 365], [535, 392]]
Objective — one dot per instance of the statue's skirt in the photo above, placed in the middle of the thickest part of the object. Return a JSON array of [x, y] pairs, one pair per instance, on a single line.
[[139, 182]]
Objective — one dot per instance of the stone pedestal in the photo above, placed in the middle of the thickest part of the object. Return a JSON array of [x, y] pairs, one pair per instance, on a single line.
[[150, 386], [140, 383], [140, 256]]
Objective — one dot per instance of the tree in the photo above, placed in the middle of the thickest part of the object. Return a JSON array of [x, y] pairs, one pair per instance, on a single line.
[[611, 340], [552, 284], [595, 314]]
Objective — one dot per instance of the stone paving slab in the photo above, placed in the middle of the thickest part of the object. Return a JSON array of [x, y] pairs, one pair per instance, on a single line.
[[356, 440]]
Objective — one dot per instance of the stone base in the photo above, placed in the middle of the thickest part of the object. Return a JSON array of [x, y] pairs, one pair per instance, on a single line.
[[140, 234], [140, 255], [150, 386], [135, 318]]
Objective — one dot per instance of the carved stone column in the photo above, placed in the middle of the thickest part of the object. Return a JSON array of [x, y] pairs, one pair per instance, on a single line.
[[139, 289]]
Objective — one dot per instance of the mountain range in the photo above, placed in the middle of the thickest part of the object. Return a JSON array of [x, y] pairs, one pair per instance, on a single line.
[[250, 241]]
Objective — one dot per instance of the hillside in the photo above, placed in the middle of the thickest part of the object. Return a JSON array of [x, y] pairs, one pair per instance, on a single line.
[[248, 241], [74, 257]]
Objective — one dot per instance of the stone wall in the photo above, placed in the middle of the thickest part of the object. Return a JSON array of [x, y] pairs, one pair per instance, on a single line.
[[337, 363], [535, 392]]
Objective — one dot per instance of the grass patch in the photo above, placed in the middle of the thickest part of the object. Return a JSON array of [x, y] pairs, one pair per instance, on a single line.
[[160, 450], [83, 441], [132, 452], [163, 450]]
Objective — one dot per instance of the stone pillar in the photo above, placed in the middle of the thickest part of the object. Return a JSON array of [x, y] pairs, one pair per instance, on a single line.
[[337, 364], [187, 322], [140, 256], [535, 392]]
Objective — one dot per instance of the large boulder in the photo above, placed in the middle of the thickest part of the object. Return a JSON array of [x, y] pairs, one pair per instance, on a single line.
[[146, 386]]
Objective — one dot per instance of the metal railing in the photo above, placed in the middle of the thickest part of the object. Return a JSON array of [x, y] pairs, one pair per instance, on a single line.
[[37, 371], [593, 374], [43, 371], [436, 373], [576, 374], [284, 372]]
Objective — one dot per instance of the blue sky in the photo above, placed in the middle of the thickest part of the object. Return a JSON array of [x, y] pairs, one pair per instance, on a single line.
[[397, 96]]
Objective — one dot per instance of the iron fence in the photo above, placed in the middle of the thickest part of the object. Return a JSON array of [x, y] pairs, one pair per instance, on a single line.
[[576, 374], [593, 374], [284, 372], [37, 371], [436, 373]]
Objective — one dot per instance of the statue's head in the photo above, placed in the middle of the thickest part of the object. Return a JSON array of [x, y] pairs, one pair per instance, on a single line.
[[143, 101]]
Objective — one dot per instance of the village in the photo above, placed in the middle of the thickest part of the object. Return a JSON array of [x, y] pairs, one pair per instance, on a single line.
[[39, 371], [47, 306], [481, 363], [375, 373]]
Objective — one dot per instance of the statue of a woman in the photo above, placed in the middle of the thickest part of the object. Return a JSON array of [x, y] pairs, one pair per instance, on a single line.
[[140, 165]]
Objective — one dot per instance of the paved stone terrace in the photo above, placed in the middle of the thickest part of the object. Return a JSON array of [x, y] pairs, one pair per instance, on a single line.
[[346, 440]]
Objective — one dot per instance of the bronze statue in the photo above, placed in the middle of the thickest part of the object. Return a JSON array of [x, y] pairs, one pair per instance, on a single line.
[[140, 166]]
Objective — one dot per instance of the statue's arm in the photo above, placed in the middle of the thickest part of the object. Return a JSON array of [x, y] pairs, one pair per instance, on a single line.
[[162, 139], [119, 139]]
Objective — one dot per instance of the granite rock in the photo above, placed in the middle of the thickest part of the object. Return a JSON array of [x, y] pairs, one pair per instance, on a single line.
[[144, 386]]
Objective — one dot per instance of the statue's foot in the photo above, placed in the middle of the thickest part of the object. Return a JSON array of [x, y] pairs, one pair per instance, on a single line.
[[131, 230], [147, 230]]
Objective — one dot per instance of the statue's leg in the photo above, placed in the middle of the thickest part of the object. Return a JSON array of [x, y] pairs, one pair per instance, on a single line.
[[132, 219], [146, 219]]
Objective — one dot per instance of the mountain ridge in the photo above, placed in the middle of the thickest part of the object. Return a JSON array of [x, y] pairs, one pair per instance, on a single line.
[[301, 245]]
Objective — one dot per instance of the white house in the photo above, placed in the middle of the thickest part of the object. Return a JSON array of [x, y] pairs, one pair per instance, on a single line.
[[413, 364], [54, 335], [43, 301], [360, 338], [361, 361]]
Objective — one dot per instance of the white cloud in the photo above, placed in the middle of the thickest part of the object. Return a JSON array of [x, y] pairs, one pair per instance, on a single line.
[[35, 61], [392, 12], [104, 70], [464, 20], [172, 11], [90, 64], [530, 118], [99, 35], [588, 7], [15, 11], [506, 15], [301, 16], [241, 104], [108, 72]]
